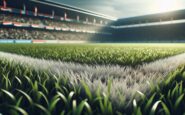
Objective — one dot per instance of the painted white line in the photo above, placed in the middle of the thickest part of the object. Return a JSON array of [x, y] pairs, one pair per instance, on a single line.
[[125, 80]]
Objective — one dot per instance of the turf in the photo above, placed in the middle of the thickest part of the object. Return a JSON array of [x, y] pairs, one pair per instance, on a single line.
[[25, 91], [102, 54]]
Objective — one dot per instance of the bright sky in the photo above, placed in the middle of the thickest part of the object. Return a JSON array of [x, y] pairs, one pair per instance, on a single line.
[[127, 8]]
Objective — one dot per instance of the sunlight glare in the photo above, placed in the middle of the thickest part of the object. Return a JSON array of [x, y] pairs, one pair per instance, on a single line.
[[167, 5]]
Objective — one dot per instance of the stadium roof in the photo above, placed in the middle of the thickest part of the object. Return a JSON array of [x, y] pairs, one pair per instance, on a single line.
[[167, 16], [72, 8]]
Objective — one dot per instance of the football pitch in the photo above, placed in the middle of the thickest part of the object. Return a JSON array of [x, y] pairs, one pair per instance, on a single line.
[[92, 78]]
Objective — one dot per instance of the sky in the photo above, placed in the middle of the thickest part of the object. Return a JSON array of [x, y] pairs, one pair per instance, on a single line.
[[127, 8]]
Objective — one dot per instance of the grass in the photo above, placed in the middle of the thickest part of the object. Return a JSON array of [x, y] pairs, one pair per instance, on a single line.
[[125, 80], [166, 98], [26, 91], [116, 54]]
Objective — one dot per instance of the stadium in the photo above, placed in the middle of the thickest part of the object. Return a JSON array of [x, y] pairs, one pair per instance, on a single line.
[[65, 23], [60, 23], [60, 59]]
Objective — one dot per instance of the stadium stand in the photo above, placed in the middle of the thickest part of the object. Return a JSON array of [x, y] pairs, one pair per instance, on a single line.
[[161, 27], [31, 20], [18, 19], [12, 33], [47, 22], [30, 34], [25, 24]]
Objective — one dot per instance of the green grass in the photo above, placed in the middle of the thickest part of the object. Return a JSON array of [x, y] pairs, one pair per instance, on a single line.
[[25, 91], [166, 98], [121, 54]]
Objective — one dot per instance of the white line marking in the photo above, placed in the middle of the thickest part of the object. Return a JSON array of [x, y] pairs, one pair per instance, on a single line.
[[125, 80]]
